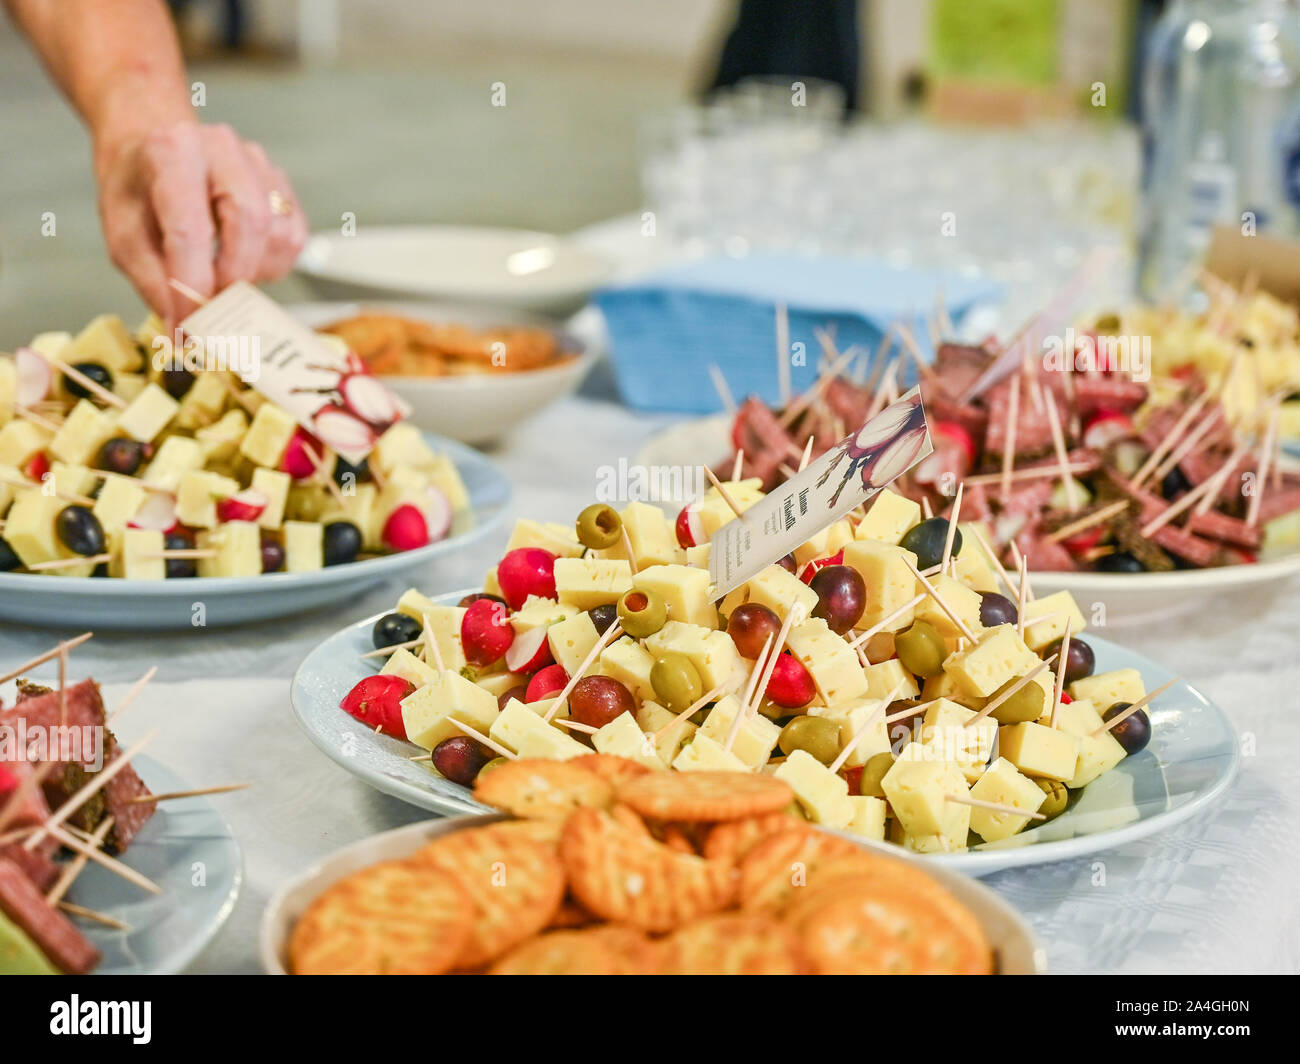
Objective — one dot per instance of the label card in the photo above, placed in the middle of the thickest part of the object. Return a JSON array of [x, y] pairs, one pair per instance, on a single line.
[[329, 393], [845, 477]]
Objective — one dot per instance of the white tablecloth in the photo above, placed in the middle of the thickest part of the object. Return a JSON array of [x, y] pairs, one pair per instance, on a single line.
[[1217, 895]]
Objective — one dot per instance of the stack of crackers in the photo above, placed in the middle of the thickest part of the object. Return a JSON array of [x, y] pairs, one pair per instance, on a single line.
[[616, 870]]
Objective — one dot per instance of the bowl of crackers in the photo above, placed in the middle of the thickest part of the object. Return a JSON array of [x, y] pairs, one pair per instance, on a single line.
[[470, 373], [600, 866]]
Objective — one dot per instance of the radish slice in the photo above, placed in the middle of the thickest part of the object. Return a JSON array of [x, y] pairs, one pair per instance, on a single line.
[[369, 399], [35, 377], [246, 505], [157, 513], [437, 514], [689, 527], [344, 433], [530, 651]]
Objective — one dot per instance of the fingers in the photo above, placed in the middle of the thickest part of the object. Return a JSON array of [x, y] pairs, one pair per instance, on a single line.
[[176, 180], [240, 203], [134, 247], [288, 232]]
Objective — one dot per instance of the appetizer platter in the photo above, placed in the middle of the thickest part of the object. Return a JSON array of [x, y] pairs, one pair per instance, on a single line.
[[469, 373], [619, 870], [97, 870], [131, 487], [901, 683]]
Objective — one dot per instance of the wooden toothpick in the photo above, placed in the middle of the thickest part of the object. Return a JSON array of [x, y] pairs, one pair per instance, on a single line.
[[611, 633], [198, 792], [41, 659], [953, 517], [1027, 678], [960, 625], [725, 495], [1142, 702], [996, 807]]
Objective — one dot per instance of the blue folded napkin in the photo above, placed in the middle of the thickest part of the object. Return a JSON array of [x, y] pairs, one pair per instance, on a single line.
[[667, 328]]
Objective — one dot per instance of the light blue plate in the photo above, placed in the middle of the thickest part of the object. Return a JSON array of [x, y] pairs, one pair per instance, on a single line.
[[85, 602], [189, 850], [1190, 762]]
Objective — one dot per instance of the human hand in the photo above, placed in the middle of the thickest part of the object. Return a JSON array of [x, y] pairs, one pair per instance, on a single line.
[[197, 204]]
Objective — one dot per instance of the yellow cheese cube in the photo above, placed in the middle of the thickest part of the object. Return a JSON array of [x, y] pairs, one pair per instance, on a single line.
[[130, 562], [975, 567], [852, 717], [401, 445], [868, 816], [267, 436], [29, 528], [275, 486], [148, 414], [964, 602], [82, 434], [1104, 689], [304, 546], [239, 550], [889, 518], [698, 556], [118, 501], [823, 794], [628, 662], [890, 583], [571, 641], [127, 386], [20, 440], [1002, 784], [522, 729], [538, 612], [685, 591], [969, 748], [358, 507], [651, 717], [777, 589], [560, 540], [203, 403], [755, 737], [106, 341], [197, 494], [918, 788], [176, 456], [653, 539], [588, 582], [713, 511], [623, 737], [410, 668], [73, 479], [703, 754], [444, 623], [427, 712], [834, 666], [830, 540], [713, 654], [1044, 753], [1063, 606], [884, 677], [999, 656], [220, 440], [945, 685], [1096, 753], [444, 476]]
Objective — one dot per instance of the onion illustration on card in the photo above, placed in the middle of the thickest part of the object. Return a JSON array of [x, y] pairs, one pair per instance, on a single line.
[[883, 449], [357, 407]]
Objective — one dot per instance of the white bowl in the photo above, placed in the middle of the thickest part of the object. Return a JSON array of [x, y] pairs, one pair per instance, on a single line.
[[502, 267], [474, 408], [1009, 933]]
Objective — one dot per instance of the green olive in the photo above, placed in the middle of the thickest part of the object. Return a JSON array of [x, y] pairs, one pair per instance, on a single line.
[[873, 772], [676, 681], [496, 762], [921, 649], [818, 736], [599, 526], [1054, 804], [777, 714], [1025, 705], [641, 613]]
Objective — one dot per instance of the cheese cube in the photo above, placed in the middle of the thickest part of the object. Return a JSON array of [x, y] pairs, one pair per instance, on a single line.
[[918, 787], [713, 654], [964, 602], [148, 414], [82, 434], [868, 816], [521, 728], [106, 341], [203, 403], [444, 476], [197, 494], [945, 685], [713, 511], [220, 440], [776, 588], [1064, 607], [427, 712], [1038, 751], [1104, 689], [571, 641], [127, 386], [830, 540], [51, 344], [1001, 783], [239, 550], [130, 562], [560, 540], [889, 518], [969, 748], [823, 794], [410, 668], [118, 501], [975, 566], [755, 737], [851, 717], [999, 656], [20, 441], [1096, 753], [401, 445], [275, 486], [73, 479], [538, 612], [268, 436], [176, 456], [890, 583], [358, 507], [588, 582], [623, 737], [828, 657], [884, 677], [698, 556], [651, 717], [653, 539], [29, 528], [703, 754], [685, 592], [628, 662], [304, 546], [444, 623]]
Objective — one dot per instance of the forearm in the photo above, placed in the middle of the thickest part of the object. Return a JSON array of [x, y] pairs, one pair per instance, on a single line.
[[117, 61]]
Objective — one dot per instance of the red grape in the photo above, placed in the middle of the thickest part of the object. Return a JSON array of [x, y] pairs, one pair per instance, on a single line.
[[460, 758], [596, 700], [841, 596], [749, 626]]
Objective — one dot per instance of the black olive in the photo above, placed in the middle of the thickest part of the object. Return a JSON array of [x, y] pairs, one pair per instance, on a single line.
[[180, 568], [79, 530], [927, 540], [9, 561], [176, 381], [603, 616], [95, 372], [1119, 562], [1080, 660], [393, 629], [1174, 484], [272, 555], [100, 570], [122, 455], [1133, 732], [342, 542], [343, 468], [997, 609]]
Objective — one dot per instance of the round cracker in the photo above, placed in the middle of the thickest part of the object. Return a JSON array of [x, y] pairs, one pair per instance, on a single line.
[[730, 840], [733, 944], [611, 767], [550, 790], [560, 953], [393, 918], [705, 795], [775, 869]]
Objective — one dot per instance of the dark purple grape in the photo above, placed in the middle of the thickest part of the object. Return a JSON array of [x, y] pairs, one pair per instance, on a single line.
[[788, 563], [176, 381], [997, 609], [79, 530], [750, 625], [1080, 660], [1133, 732], [95, 372], [460, 758], [927, 539], [9, 561], [841, 596], [272, 555], [393, 629], [519, 691], [476, 595], [342, 542], [603, 616], [180, 568], [343, 468], [1119, 562], [122, 455]]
